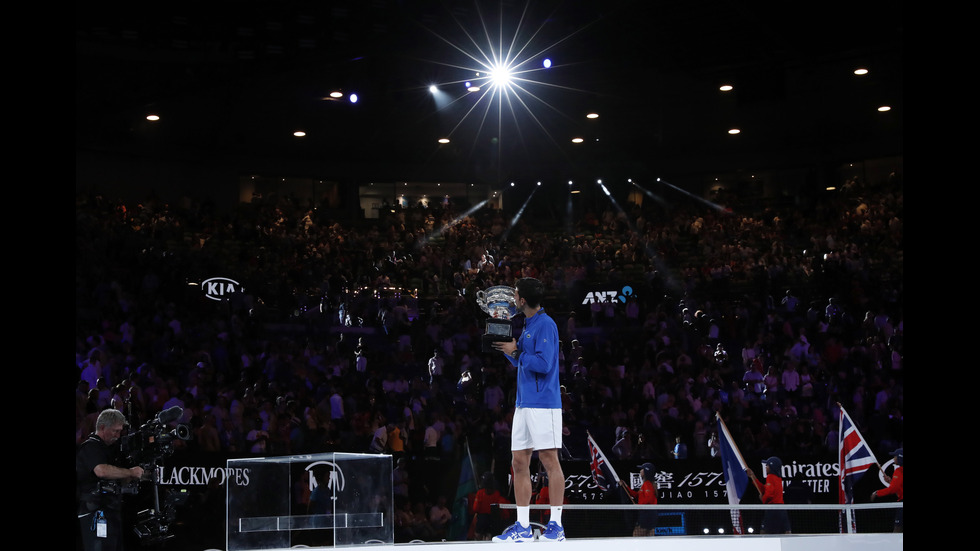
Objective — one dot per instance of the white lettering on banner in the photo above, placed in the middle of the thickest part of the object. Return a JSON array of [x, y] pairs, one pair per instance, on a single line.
[[599, 296], [704, 485], [809, 470], [218, 288], [202, 476], [819, 486], [593, 297]]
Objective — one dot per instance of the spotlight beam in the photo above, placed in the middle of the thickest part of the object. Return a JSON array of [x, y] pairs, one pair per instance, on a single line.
[[705, 202], [451, 223], [517, 217], [672, 282], [650, 194]]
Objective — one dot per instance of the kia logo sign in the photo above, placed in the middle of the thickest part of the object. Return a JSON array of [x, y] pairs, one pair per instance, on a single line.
[[219, 288]]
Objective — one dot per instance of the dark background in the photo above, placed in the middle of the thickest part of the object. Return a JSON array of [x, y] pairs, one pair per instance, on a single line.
[[233, 80]]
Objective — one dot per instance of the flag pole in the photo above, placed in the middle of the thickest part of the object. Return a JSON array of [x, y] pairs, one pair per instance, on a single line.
[[853, 424], [609, 465], [736, 514], [842, 490], [741, 460], [724, 427], [843, 465]]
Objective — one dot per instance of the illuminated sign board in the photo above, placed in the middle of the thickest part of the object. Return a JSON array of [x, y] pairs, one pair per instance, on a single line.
[[219, 288], [608, 295]]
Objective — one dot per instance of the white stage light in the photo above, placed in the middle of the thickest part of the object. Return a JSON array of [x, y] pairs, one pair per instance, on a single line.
[[501, 76]]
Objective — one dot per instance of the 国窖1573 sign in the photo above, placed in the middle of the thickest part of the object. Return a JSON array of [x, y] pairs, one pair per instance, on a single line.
[[220, 288]]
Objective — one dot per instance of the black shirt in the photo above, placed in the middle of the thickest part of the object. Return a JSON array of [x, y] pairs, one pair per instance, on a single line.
[[91, 453]]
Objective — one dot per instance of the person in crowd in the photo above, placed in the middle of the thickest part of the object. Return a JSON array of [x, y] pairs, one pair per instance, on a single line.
[[439, 517], [436, 366], [680, 448]]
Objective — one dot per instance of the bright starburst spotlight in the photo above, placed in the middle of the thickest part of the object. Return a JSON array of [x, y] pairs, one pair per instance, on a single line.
[[506, 68], [500, 76]]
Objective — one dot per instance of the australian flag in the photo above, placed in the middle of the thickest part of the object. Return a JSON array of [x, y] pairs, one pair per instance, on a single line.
[[602, 472], [856, 457]]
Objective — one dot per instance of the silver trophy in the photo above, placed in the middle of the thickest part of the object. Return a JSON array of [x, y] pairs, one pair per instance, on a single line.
[[498, 303]]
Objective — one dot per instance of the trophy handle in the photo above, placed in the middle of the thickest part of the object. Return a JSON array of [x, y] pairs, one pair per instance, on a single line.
[[479, 296]]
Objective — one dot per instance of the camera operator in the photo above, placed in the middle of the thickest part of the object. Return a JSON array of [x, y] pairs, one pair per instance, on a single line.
[[98, 484]]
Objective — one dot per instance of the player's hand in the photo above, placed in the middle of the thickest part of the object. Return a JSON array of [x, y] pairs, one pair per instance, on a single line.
[[507, 347]]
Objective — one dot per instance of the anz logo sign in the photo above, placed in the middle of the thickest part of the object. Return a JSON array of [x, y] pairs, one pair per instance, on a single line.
[[219, 288], [593, 297]]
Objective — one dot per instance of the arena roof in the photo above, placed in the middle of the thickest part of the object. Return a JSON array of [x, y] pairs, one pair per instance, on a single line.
[[237, 79]]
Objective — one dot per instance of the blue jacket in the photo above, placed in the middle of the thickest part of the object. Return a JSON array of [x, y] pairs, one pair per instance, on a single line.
[[537, 367]]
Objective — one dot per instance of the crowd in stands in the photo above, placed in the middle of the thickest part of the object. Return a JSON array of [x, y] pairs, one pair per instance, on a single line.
[[771, 318]]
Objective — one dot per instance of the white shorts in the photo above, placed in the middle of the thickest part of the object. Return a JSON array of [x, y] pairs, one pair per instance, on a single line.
[[536, 429]]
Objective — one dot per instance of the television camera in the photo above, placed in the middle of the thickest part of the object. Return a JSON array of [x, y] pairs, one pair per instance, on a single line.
[[149, 444], [147, 447]]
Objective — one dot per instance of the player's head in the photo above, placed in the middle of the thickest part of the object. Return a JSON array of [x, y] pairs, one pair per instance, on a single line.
[[531, 290]]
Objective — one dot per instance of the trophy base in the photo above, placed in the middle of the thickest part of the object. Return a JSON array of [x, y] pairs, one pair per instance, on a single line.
[[488, 341], [497, 330]]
